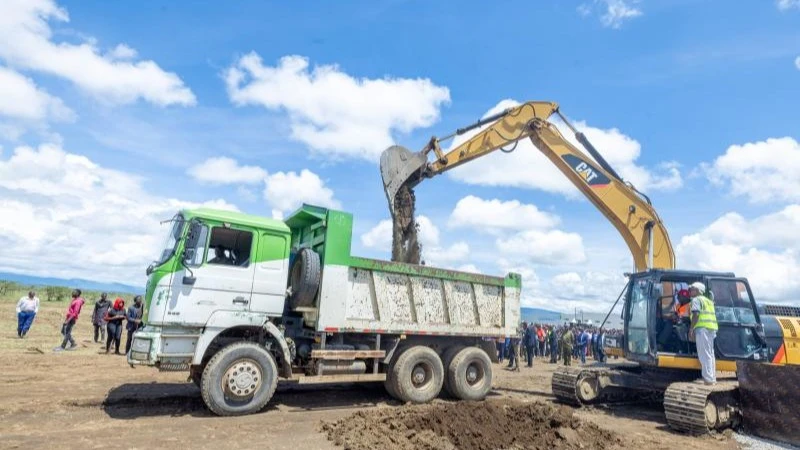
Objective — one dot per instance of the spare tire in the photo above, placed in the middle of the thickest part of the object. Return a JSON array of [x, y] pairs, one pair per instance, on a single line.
[[304, 279]]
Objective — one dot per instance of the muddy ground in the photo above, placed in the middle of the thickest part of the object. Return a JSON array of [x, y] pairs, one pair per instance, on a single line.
[[86, 399]]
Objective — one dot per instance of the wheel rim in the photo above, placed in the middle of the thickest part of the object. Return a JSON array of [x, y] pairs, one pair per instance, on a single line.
[[474, 374], [242, 379], [588, 389], [712, 415], [421, 375]]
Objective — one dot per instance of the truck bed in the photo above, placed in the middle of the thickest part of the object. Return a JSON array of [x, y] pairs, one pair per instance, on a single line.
[[381, 296], [374, 296]]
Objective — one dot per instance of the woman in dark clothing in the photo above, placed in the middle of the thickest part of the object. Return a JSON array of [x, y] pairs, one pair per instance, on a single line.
[[98, 317], [114, 317]]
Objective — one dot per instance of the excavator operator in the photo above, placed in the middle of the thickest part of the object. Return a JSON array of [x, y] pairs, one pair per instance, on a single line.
[[683, 305]]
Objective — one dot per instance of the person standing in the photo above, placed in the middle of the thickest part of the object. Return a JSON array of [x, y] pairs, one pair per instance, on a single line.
[[567, 342], [27, 308], [73, 311], [704, 330], [529, 341], [553, 337], [98, 317], [135, 313], [114, 317]]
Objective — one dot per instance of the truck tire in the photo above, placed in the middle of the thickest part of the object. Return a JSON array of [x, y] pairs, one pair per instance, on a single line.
[[447, 357], [240, 379], [417, 375], [304, 278], [469, 374], [388, 383]]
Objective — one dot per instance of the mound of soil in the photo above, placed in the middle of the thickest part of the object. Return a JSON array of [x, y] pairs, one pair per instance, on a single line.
[[469, 426]]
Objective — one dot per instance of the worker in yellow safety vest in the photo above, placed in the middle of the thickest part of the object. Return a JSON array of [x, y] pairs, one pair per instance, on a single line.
[[704, 330]]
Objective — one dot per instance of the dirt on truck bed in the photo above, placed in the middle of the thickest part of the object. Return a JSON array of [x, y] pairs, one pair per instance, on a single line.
[[506, 424], [84, 399]]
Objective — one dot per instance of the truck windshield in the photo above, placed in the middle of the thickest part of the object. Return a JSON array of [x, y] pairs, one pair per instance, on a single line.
[[171, 240]]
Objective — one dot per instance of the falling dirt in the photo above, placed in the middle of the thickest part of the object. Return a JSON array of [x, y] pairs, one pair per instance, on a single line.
[[497, 424], [405, 243]]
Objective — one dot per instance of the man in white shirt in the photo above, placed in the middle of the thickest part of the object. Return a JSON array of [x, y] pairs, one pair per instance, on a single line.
[[704, 331], [27, 307]]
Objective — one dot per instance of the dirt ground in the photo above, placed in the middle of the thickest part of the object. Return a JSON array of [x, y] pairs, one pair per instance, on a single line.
[[86, 399]]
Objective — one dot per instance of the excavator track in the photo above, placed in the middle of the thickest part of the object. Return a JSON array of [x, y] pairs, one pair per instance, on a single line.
[[565, 384], [696, 408]]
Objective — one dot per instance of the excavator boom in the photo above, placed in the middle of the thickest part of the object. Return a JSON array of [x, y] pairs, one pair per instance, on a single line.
[[626, 208]]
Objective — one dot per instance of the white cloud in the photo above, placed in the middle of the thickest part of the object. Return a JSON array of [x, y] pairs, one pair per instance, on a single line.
[[446, 256], [20, 98], [613, 13], [66, 216], [379, 237], [797, 62], [764, 249], [114, 77], [496, 215], [434, 253], [224, 170], [591, 291], [544, 247], [286, 191], [331, 111], [762, 171], [472, 268], [785, 5], [527, 167]]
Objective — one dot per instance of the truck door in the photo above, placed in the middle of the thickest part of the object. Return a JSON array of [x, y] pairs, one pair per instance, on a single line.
[[271, 273], [218, 276]]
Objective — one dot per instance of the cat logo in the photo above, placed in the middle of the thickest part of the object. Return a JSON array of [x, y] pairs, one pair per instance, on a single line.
[[592, 176]]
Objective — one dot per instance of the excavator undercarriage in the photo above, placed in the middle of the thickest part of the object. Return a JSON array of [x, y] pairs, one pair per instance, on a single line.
[[689, 407]]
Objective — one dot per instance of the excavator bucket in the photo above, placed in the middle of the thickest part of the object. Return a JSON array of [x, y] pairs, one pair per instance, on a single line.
[[770, 399], [400, 167]]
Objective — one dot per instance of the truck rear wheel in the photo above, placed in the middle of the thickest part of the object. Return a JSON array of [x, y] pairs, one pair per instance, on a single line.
[[240, 379], [469, 374], [417, 375], [447, 358]]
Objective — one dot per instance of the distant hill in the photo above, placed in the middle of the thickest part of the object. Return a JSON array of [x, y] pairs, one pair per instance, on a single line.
[[71, 283], [538, 314]]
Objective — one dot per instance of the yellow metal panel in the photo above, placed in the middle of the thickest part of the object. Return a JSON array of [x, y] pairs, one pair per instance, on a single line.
[[790, 353], [683, 362]]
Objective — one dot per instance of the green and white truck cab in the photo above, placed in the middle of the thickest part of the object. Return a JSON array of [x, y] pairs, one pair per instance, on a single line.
[[241, 301]]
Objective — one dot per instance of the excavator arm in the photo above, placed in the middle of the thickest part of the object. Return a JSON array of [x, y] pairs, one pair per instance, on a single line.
[[627, 209]]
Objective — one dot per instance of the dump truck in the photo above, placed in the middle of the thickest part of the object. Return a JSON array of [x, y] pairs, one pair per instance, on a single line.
[[241, 302]]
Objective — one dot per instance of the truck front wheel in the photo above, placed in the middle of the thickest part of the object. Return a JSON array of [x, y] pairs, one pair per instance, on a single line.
[[417, 375], [240, 379], [469, 374]]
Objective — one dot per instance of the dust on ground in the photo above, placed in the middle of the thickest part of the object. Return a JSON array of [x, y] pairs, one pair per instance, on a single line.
[[86, 399], [507, 424]]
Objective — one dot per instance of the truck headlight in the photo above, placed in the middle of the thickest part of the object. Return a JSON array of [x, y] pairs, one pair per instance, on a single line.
[[141, 345]]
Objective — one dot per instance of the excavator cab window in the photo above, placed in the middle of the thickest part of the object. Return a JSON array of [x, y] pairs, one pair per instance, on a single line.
[[737, 318]]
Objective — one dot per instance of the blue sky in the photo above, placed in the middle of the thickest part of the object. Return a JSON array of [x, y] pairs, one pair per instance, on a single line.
[[118, 112]]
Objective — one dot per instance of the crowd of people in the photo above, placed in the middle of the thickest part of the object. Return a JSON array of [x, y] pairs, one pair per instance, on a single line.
[[554, 343], [108, 319]]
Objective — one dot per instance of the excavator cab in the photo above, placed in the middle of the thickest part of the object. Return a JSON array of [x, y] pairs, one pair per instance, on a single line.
[[656, 336]]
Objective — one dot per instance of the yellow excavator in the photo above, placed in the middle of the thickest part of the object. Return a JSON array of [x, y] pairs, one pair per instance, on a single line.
[[661, 360]]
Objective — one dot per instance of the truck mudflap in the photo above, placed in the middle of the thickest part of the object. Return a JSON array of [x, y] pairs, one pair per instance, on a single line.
[[770, 396]]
